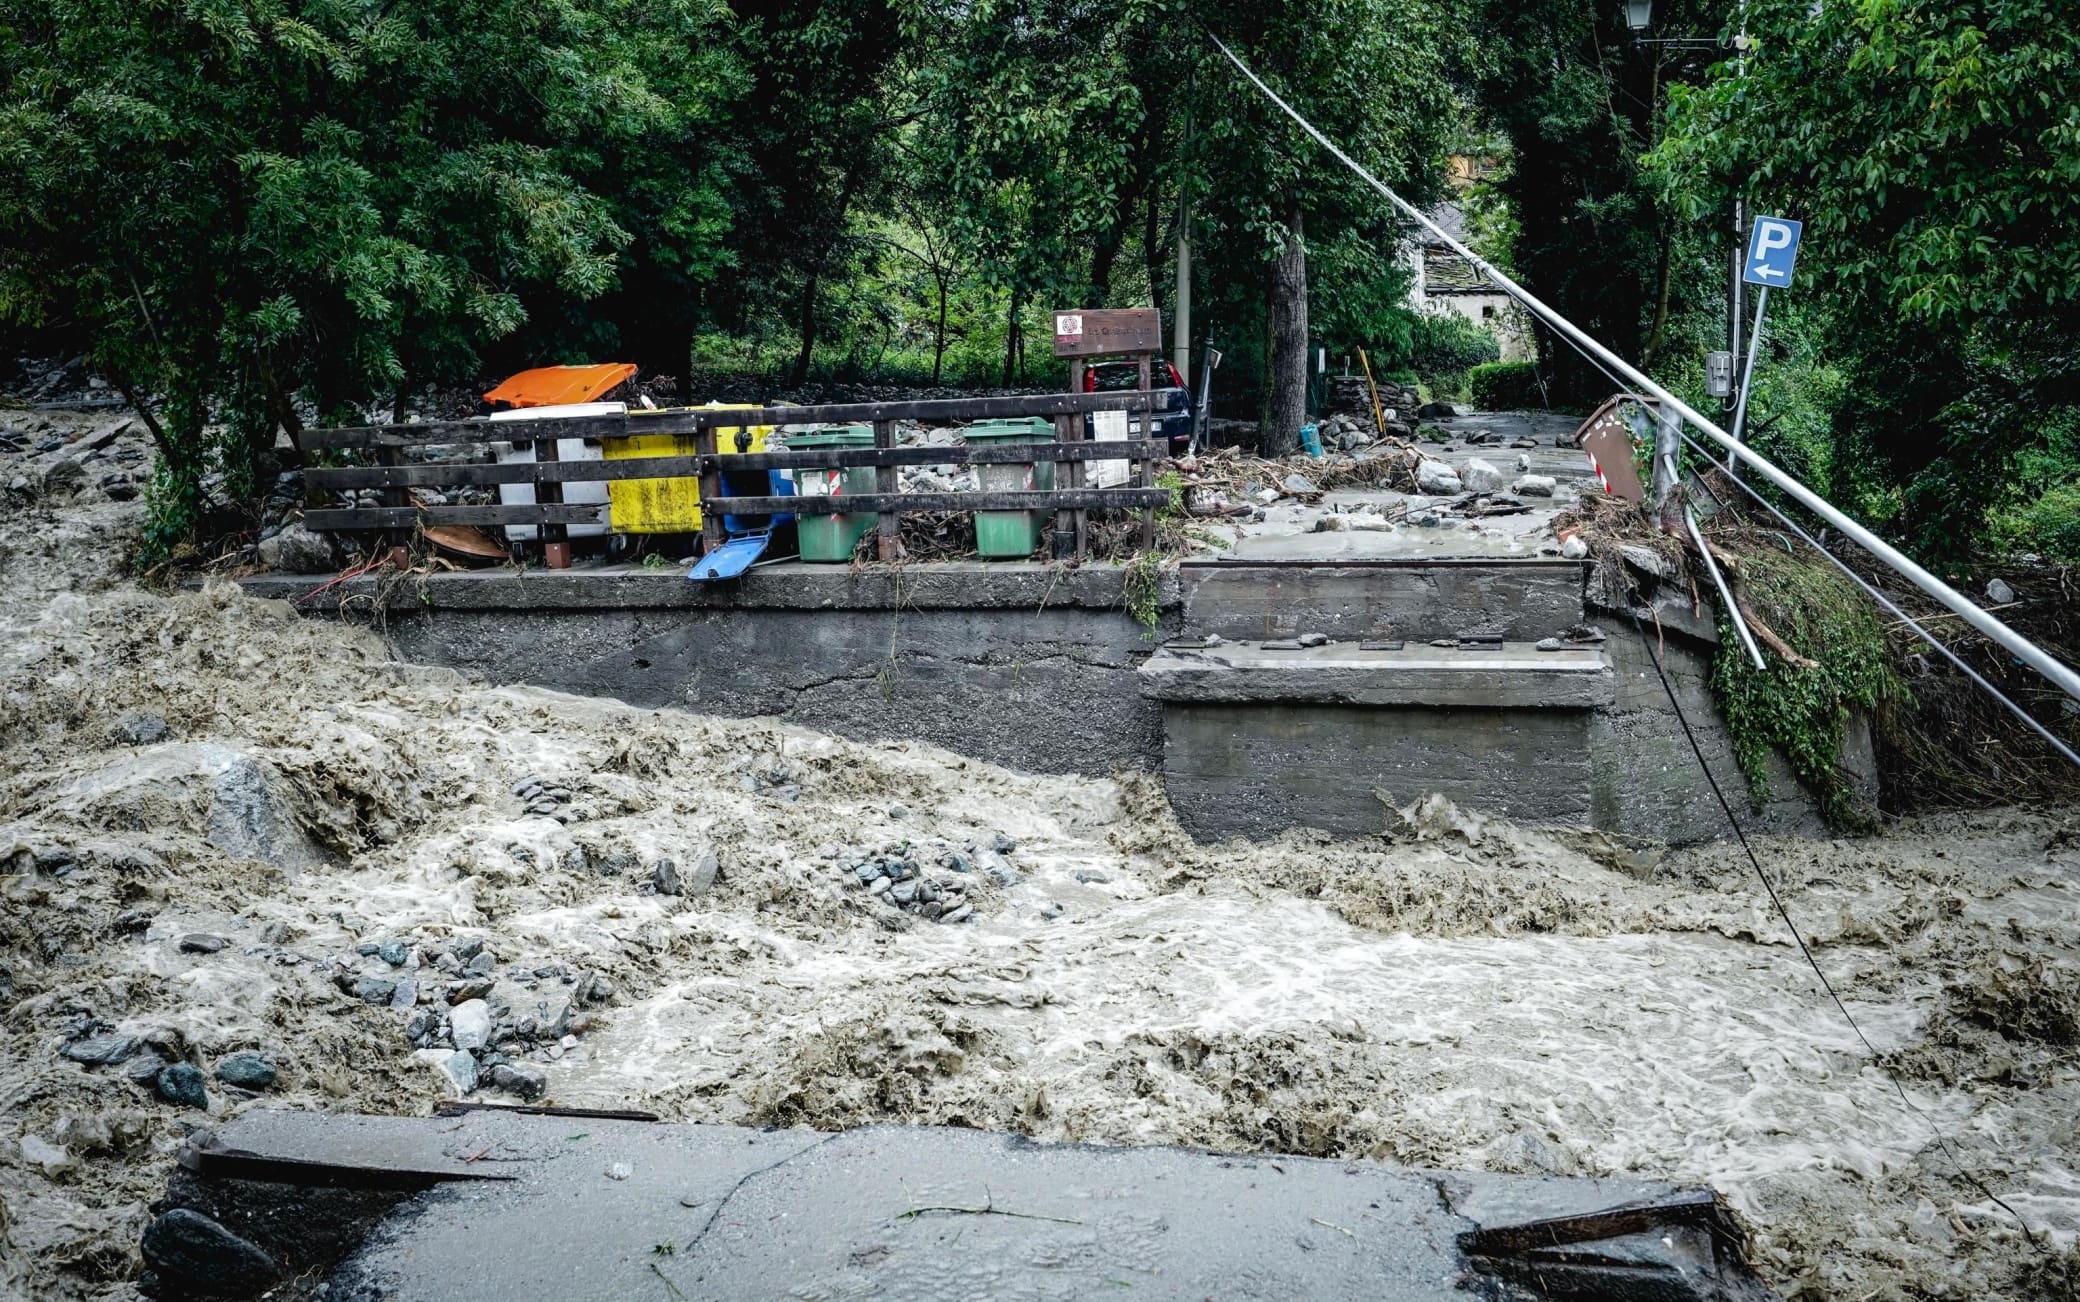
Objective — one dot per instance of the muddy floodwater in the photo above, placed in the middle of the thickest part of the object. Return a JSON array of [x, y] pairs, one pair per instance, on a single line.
[[227, 829]]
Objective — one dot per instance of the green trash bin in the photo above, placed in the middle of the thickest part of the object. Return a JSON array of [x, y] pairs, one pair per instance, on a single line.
[[832, 537], [1005, 534]]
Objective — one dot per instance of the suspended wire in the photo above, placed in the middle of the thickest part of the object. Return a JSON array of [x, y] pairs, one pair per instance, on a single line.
[[1887, 602], [1697, 748]]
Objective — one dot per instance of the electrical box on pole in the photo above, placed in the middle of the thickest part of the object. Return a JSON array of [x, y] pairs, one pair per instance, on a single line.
[[1718, 374]]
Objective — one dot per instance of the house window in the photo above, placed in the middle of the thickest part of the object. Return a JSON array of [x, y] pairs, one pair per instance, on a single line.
[[1488, 312]]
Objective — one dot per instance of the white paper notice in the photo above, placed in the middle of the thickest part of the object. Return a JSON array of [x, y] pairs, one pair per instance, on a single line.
[[1108, 427]]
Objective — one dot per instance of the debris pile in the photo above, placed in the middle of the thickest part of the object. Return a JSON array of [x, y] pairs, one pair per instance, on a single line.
[[899, 878]]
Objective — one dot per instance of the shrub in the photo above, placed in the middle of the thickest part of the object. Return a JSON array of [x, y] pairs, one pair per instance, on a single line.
[[1505, 386], [1445, 345]]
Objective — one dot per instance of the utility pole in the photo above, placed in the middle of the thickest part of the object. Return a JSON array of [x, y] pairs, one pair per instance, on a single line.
[[1736, 294], [1181, 325]]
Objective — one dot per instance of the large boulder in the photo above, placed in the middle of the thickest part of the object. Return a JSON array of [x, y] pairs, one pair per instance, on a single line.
[[297, 550], [239, 802], [1481, 476], [1437, 478], [200, 1257]]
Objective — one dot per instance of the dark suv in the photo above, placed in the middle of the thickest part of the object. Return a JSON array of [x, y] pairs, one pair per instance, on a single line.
[[1173, 419]]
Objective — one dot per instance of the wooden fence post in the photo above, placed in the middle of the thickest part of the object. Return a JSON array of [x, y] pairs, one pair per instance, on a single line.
[[889, 528], [706, 444]]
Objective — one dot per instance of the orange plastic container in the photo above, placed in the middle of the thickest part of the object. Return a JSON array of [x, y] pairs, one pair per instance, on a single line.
[[556, 386]]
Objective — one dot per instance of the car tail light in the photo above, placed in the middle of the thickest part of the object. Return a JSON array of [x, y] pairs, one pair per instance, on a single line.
[[1090, 379], [1176, 380]]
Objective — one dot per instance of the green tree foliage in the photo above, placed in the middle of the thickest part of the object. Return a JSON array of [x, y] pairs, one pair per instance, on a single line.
[[261, 208], [1933, 150], [1059, 128], [1579, 103]]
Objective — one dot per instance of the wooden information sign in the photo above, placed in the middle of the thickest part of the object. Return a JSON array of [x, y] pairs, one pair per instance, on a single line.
[[1107, 332]]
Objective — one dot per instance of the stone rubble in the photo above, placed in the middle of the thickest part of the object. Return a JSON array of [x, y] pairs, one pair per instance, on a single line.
[[909, 880]]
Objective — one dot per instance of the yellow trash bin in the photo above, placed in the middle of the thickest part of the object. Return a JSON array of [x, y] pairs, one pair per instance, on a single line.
[[669, 505]]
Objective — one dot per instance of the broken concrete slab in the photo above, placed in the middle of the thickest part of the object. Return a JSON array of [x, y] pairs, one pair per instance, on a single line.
[[615, 1209]]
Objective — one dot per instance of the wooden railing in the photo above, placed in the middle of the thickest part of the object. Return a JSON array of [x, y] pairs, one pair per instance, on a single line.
[[1071, 450]]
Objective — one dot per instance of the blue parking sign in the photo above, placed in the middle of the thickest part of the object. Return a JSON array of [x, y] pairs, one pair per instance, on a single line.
[[1772, 251]]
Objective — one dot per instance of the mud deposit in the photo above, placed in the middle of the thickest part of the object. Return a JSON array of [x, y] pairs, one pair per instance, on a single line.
[[181, 770]]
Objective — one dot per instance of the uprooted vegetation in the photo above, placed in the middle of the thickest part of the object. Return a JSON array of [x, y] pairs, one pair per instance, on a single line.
[[1832, 655]]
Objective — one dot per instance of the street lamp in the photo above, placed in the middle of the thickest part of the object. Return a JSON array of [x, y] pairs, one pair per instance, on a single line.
[[1639, 14]]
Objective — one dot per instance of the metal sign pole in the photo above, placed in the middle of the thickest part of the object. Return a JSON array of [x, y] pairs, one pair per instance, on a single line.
[[1740, 405]]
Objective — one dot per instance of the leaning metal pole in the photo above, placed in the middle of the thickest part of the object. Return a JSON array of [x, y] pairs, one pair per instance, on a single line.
[[2024, 650]]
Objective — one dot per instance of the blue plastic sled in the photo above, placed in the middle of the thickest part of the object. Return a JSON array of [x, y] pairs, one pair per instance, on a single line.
[[731, 559]]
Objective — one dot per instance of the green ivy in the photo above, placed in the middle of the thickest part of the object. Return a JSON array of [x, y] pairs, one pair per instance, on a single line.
[[1803, 712], [1142, 591]]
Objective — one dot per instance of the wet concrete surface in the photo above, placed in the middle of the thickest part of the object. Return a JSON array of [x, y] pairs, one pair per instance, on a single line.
[[592, 1208]]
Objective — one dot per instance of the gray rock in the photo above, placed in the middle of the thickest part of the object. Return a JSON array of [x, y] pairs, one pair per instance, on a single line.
[[1003, 844], [700, 879], [248, 1071], [1437, 478], [1535, 486], [1646, 560], [470, 1024], [553, 1019], [143, 1070], [665, 877], [467, 948], [141, 730], [958, 862], [1999, 593], [903, 892], [1443, 410], [461, 1070], [102, 1050], [394, 952], [421, 1026], [374, 990], [65, 473], [1298, 483], [519, 1078], [1574, 548], [1313, 639], [1003, 874], [867, 872], [1091, 876], [202, 942], [880, 886], [199, 1256], [296, 550], [473, 988], [182, 1084], [406, 995], [483, 964], [1481, 476], [958, 913]]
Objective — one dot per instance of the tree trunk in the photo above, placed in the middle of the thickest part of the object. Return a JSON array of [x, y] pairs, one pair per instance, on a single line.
[[939, 334], [1153, 248], [1010, 340], [799, 372], [1285, 395], [1662, 275]]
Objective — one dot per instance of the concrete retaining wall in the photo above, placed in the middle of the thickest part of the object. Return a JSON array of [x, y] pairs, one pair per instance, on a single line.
[[1013, 664], [1042, 670]]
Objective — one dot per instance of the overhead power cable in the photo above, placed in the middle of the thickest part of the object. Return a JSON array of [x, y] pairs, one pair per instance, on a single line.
[[2061, 674], [1599, 355]]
